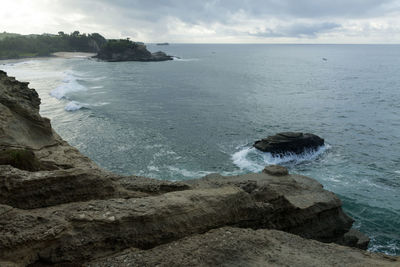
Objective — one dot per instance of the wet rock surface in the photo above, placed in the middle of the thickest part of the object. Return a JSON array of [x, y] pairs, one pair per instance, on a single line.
[[289, 142], [70, 212]]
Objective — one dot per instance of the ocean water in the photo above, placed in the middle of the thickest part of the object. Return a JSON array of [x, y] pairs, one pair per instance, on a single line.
[[201, 113]]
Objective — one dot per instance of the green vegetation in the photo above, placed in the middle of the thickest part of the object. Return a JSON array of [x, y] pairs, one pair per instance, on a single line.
[[120, 46], [18, 46], [19, 158], [7, 34]]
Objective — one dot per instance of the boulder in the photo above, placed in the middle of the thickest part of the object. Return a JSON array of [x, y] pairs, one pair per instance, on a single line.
[[354, 238], [276, 170], [289, 142]]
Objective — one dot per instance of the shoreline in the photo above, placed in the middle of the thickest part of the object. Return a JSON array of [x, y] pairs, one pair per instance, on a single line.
[[69, 55], [65, 55]]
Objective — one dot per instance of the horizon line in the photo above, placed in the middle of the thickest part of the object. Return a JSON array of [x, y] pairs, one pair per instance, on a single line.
[[217, 43]]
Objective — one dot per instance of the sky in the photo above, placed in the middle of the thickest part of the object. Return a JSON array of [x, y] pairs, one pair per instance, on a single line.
[[211, 21]]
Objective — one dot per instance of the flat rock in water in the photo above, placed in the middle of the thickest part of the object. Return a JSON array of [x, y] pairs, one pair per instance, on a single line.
[[289, 142]]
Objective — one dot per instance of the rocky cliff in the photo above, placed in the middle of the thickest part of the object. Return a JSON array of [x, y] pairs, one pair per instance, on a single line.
[[126, 50], [58, 207]]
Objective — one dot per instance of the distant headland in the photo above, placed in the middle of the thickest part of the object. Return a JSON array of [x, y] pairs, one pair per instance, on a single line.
[[14, 46]]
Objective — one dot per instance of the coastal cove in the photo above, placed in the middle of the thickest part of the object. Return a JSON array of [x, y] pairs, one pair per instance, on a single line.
[[200, 114]]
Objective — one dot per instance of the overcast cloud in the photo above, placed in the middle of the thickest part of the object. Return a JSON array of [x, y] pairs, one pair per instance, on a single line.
[[211, 21]]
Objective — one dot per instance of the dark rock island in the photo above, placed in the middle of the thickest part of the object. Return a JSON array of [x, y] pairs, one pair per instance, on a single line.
[[289, 142], [126, 50], [57, 207]]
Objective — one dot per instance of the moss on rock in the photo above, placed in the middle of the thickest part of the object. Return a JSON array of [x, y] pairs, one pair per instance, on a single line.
[[20, 158]]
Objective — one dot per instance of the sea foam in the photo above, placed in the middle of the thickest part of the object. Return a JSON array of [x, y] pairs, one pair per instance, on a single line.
[[69, 84], [188, 173], [185, 59], [74, 105], [251, 159]]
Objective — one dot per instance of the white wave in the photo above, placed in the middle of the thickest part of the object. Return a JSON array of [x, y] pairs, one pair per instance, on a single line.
[[243, 161], [31, 71], [184, 59], [97, 87], [19, 63], [86, 78], [68, 85], [388, 248], [189, 174], [153, 168], [251, 159], [75, 105], [100, 104], [163, 152]]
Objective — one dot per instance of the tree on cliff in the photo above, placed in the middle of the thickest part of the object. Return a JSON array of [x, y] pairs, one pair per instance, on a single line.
[[15, 46]]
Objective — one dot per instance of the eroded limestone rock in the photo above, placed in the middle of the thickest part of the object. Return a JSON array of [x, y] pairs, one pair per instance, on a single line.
[[245, 247], [276, 170]]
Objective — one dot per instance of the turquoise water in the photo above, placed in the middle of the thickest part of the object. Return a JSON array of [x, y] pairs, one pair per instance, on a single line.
[[201, 113]]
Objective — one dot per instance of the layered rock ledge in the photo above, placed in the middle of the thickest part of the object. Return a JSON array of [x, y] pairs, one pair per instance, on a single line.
[[58, 207]]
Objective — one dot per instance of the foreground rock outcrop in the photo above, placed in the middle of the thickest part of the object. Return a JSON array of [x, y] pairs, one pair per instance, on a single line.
[[58, 207], [289, 142], [246, 247]]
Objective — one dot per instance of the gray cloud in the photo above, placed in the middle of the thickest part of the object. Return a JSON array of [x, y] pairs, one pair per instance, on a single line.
[[219, 10], [300, 30], [224, 20]]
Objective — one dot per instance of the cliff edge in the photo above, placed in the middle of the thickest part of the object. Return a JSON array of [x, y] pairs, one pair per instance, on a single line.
[[57, 207], [126, 50]]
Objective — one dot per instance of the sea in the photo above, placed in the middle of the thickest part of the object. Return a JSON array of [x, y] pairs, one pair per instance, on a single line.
[[201, 113]]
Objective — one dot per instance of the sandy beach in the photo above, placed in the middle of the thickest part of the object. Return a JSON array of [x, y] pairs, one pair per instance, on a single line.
[[73, 54]]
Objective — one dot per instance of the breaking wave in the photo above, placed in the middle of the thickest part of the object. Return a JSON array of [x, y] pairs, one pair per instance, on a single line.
[[75, 105], [69, 85], [185, 59], [187, 173], [251, 159]]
